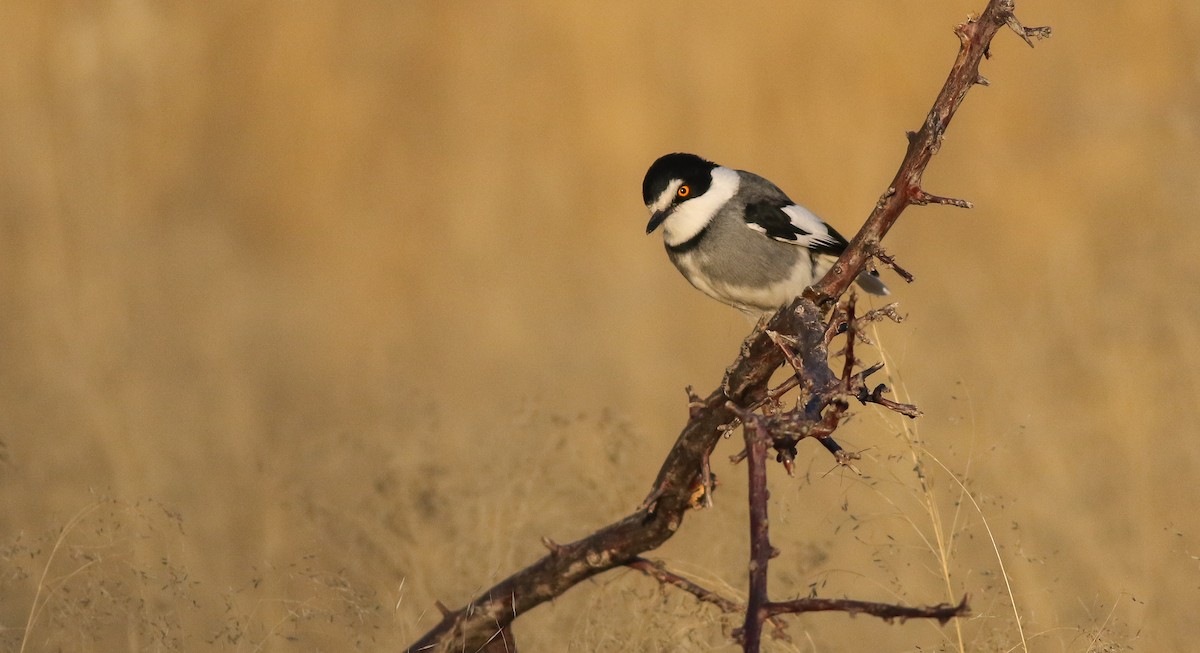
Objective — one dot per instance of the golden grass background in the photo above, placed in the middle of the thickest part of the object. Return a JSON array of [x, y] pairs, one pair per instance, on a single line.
[[314, 313]]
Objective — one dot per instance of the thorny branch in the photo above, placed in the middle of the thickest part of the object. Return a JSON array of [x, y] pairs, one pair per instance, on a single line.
[[761, 550], [821, 407], [943, 612], [658, 571], [886, 611], [975, 35], [485, 621]]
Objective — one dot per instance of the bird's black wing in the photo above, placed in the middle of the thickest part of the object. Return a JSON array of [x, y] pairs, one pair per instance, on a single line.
[[795, 225]]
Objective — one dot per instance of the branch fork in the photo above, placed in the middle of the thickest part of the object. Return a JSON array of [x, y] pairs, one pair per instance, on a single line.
[[822, 404]]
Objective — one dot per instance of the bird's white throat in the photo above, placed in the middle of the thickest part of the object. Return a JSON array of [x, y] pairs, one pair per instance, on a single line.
[[690, 217]]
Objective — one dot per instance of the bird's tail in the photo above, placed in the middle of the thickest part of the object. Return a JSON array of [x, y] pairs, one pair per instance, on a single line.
[[870, 282]]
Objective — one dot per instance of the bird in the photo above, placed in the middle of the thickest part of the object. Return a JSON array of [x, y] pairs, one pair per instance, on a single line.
[[737, 237]]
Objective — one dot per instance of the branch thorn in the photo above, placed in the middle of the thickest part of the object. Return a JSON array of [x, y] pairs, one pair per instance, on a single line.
[[889, 261], [1025, 33], [844, 458], [922, 198]]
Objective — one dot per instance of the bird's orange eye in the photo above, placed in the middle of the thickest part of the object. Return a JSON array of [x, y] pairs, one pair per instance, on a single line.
[[684, 191]]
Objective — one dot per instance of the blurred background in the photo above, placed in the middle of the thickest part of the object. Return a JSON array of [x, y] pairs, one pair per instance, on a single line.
[[312, 314]]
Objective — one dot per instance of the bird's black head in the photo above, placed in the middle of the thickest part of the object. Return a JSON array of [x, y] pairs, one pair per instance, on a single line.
[[688, 168], [672, 179]]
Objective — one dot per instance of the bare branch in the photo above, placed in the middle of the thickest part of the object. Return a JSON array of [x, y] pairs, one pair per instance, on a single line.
[[890, 261], [773, 610], [876, 397], [975, 36], [943, 612], [837, 324], [761, 551], [922, 198], [1027, 34], [658, 571], [786, 345], [877, 314]]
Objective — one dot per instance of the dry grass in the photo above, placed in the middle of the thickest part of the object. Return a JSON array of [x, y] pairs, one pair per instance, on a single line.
[[341, 307]]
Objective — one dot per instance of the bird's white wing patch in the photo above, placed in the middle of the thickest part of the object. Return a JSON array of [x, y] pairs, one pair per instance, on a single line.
[[807, 222]]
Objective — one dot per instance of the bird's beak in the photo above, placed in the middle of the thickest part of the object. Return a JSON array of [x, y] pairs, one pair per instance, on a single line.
[[656, 220]]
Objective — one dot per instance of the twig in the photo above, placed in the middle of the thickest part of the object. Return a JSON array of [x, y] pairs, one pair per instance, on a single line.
[[876, 397], [943, 612], [1024, 32], [658, 571], [783, 388], [889, 261], [837, 324], [921, 198], [877, 314]]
